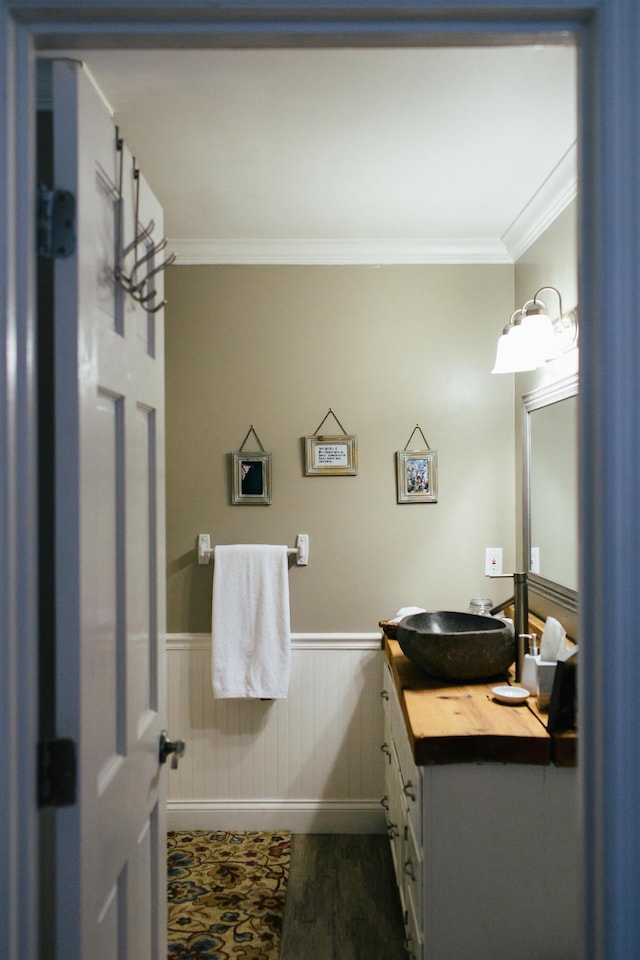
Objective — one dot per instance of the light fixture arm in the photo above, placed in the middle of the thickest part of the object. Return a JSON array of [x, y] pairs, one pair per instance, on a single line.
[[513, 322], [539, 306]]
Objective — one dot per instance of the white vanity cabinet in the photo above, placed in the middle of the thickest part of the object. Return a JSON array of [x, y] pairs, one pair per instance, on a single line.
[[486, 854], [403, 810]]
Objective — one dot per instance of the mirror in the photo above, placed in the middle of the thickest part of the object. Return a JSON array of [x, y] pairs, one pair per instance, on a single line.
[[550, 486]]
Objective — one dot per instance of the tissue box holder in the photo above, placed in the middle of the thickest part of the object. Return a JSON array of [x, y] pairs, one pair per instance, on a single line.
[[546, 673]]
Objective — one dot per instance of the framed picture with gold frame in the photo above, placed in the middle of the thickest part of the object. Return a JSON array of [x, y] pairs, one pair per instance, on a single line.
[[331, 456], [250, 477], [417, 476]]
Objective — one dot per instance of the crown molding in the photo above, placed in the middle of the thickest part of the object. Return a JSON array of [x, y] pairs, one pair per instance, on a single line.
[[547, 203], [338, 252]]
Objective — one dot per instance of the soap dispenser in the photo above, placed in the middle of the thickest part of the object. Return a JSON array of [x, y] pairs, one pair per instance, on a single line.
[[529, 676]]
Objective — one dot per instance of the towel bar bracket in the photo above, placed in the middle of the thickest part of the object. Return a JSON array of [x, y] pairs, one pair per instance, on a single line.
[[300, 551], [204, 548]]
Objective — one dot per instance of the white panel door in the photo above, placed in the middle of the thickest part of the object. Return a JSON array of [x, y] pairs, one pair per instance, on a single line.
[[109, 370]]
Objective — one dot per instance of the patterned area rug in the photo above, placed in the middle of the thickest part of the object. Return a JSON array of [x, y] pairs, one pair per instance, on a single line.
[[226, 894]]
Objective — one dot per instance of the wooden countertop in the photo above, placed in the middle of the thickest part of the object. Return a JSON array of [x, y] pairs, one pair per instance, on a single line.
[[449, 722]]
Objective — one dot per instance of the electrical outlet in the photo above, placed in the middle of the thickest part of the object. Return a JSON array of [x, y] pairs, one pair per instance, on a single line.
[[493, 561], [534, 566]]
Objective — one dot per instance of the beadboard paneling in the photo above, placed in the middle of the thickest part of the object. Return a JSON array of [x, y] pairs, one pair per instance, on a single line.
[[310, 762]]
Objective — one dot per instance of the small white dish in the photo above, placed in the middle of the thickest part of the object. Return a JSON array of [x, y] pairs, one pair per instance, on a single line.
[[506, 694]]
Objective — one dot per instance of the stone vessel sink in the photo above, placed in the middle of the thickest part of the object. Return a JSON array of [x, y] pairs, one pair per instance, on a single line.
[[457, 646]]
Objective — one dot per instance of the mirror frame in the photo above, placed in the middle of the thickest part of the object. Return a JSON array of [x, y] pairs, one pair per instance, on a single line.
[[542, 397]]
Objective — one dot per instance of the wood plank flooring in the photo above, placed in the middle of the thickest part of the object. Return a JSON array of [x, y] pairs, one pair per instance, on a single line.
[[342, 900]]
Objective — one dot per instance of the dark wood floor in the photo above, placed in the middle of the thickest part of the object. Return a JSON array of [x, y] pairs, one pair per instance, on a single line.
[[342, 900]]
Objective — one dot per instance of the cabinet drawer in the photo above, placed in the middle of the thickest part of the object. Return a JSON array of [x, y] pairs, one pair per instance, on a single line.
[[410, 773], [414, 942], [413, 870], [386, 693], [412, 890], [401, 738], [396, 817]]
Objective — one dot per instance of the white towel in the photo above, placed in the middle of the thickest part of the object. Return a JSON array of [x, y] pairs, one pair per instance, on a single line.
[[251, 633]]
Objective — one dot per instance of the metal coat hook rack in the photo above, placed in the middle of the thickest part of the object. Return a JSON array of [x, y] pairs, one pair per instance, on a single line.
[[137, 281]]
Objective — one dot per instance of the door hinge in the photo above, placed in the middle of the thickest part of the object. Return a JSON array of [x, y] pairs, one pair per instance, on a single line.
[[57, 773], [56, 223]]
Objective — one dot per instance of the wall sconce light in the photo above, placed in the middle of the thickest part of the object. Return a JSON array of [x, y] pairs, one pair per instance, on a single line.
[[529, 340]]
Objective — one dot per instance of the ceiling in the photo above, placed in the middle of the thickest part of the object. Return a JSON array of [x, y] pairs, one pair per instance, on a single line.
[[349, 155]]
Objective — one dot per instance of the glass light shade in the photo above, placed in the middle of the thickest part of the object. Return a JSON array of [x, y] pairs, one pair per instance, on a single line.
[[538, 329], [515, 354]]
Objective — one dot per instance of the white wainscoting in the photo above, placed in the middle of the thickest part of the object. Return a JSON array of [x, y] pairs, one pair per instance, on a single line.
[[310, 763]]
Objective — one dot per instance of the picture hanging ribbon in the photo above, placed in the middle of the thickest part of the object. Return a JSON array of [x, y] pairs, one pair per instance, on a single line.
[[329, 414], [419, 429], [250, 431]]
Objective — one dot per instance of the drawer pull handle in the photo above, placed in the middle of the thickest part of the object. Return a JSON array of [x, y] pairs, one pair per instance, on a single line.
[[409, 790], [385, 802], [392, 831], [386, 749], [408, 869], [384, 695]]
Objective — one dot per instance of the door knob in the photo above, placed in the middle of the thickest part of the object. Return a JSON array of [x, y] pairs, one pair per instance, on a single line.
[[167, 746]]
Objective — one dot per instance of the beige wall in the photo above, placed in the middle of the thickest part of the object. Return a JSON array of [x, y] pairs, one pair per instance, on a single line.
[[550, 261], [385, 348]]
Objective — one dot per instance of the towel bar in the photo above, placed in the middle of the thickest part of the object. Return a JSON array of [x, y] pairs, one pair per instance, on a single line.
[[300, 551]]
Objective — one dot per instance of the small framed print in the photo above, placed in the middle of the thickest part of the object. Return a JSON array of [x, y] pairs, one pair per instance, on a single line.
[[326, 456], [251, 478], [417, 475]]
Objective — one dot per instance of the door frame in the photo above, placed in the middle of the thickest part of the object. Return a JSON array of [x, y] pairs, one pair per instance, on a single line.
[[609, 33]]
